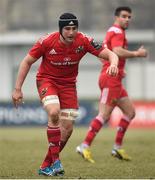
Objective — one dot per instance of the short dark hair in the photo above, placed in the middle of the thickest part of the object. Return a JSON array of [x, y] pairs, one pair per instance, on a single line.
[[122, 8]]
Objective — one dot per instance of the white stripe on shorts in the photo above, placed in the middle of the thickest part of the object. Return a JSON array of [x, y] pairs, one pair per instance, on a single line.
[[104, 95]]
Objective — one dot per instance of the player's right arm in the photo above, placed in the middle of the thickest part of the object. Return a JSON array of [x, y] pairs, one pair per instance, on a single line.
[[124, 53], [34, 54], [25, 65], [118, 45]]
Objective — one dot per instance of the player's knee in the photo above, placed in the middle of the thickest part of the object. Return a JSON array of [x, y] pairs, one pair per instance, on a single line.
[[132, 115], [100, 118], [54, 115], [53, 112], [104, 116]]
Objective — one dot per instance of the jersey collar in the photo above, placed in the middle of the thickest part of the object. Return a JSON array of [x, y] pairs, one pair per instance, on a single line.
[[118, 26]]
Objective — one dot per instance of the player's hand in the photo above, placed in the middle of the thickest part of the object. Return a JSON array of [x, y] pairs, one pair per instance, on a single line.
[[112, 70], [17, 97], [142, 52]]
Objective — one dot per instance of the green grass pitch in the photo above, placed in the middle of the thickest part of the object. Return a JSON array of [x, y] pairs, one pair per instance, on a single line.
[[22, 150]]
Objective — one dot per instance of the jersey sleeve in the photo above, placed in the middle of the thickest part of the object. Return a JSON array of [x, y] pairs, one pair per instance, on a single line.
[[117, 40], [38, 49], [93, 46]]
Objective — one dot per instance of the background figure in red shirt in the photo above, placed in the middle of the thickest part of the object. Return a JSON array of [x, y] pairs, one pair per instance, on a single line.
[[112, 91], [61, 53]]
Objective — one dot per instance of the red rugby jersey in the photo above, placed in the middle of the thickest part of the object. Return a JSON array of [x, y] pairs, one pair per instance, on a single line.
[[115, 37], [60, 62]]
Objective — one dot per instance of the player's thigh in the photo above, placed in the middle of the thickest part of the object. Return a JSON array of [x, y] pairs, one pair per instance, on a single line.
[[107, 101], [127, 107], [110, 95], [48, 93], [105, 111], [68, 98], [46, 88]]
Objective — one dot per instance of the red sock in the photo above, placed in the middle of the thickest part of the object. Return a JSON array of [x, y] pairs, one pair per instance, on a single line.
[[53, 134], [122, 127], [94, 128], [48, 160]]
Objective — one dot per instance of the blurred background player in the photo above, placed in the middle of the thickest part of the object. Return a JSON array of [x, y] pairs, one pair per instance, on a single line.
[[61, 53], [112, 91]]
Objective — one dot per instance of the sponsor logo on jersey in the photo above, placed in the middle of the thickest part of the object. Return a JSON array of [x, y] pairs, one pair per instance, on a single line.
[[67, 59], [52, 52], [64, 63]]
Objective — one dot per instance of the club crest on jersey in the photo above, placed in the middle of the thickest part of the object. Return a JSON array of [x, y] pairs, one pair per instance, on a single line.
[[44, 91], [80, 49]]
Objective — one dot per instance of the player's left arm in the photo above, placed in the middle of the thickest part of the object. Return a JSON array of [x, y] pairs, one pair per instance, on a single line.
[[113, 58], [96, 49]]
